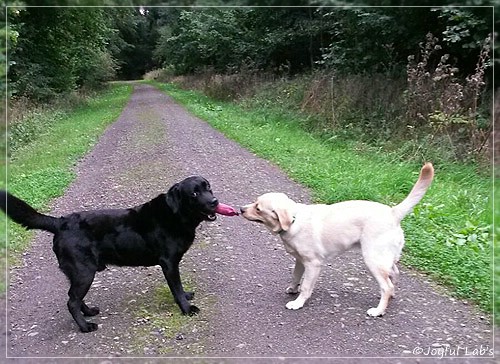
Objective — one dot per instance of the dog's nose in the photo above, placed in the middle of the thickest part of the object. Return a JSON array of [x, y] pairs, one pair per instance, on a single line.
[[214, 202], [243, 209]]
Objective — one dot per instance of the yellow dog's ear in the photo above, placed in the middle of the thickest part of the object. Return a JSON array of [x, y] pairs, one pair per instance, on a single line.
[[285, 218]]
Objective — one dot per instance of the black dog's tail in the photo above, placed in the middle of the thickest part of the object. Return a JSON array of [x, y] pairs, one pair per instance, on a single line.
[[27, 216]]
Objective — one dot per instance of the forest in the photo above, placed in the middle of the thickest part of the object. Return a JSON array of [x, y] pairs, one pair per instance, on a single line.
[[380, 69]]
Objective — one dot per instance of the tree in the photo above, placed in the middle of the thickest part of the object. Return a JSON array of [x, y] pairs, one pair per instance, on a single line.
[[134, 40], [59, 50], [228, 39]]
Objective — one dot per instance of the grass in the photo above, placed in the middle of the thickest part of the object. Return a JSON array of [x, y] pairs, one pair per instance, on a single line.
[[160, 323], [449, 234], [41, 169]]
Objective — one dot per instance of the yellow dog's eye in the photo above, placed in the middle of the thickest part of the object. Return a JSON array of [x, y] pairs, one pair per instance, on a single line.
[[257, 208]]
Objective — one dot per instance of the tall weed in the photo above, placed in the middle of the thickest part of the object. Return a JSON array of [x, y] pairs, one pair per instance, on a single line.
[[224, 87], [440, 102]]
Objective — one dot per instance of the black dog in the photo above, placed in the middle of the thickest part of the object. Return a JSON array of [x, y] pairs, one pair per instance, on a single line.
[[158, 232]]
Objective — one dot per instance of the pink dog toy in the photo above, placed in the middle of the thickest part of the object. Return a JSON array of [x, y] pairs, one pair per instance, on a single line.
[[226, 210]]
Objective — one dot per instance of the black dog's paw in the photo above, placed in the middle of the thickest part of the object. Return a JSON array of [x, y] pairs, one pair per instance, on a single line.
[[89, 327], [189, 295], [91, 311], [193, 310]]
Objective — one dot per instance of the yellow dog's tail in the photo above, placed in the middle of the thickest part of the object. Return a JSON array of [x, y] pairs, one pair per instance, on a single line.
[[417, 192]]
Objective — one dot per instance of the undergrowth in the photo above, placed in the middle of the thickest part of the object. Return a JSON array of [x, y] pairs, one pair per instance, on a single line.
[[433, 110]]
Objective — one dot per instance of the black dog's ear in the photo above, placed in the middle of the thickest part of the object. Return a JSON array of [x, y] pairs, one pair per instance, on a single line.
[[174, 198]]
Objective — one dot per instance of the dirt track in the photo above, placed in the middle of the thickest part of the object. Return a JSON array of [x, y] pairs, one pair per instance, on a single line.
[[238, 269]]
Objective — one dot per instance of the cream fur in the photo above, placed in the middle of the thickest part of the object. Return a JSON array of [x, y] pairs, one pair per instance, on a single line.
[[314, 233]]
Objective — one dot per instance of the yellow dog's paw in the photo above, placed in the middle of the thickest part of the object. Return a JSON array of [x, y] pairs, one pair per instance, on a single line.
[[375, 312], [294, 305]]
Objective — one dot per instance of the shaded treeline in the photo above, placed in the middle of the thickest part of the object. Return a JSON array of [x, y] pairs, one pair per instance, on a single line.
[[53, 50], [440, 54]]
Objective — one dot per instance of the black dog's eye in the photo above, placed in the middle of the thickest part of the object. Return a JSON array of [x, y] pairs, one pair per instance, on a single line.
[[195, 194]]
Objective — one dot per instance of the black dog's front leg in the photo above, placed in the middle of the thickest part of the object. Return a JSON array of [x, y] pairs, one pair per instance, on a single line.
[[171, 271]]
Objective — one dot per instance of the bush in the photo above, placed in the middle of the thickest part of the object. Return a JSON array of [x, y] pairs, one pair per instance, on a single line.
[[98, 68], [59, 50]]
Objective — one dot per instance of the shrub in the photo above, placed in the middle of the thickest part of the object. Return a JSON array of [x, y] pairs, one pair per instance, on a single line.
[[98, 68]]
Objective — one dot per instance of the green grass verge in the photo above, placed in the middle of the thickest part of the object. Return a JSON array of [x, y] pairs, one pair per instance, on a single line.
[[449, 234], [42, 169]]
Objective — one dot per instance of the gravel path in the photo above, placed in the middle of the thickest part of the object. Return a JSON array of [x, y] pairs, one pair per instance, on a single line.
[[238, 269]]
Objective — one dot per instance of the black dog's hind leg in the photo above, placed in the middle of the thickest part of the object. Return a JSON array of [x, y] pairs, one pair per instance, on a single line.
[[80, 285], [170, 269]]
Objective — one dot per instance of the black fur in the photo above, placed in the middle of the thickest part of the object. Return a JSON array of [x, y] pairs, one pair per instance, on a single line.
[[158, 232]]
